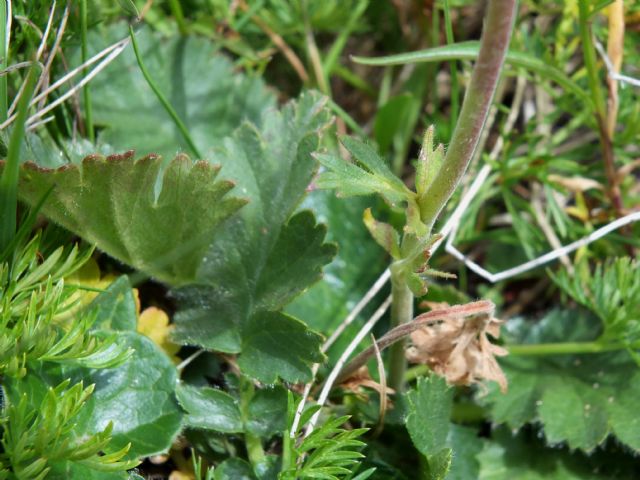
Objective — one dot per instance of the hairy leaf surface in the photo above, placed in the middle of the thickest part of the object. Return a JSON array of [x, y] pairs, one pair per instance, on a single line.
[[112, 202], [579, 399], [265, 256]]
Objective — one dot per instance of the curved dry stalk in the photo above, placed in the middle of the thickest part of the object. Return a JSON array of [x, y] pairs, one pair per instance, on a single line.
[[482, 307]]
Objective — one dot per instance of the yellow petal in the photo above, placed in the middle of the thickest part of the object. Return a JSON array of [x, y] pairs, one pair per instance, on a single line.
[[154, 323]]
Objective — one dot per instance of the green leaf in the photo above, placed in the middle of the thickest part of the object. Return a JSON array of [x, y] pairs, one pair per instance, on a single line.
[[115, 308], [265, 257], [469, 51], [439, 464], [210, 409], [356, 266], [395, 121], [138, 397], [112, 203], [267, 412], [234, 469], [579, 399], [367, 175], [210, 97], [466, 445], [508, 457], [429, 410], [384, 234], [612, 292], [275, 344]]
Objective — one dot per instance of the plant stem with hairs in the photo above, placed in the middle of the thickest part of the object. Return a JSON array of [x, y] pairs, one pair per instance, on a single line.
[[494, 44]]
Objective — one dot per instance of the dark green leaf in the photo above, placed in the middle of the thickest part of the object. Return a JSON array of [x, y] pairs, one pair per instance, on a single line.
[[267, 412], [138, 397], [234, 469], [210, 409], [429, 407], [115, 308], [265, 257], [579, 399]]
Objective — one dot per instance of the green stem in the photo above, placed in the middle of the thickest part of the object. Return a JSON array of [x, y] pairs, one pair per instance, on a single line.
[[590, 61], [455, 88], [544, 349], [401, 313], [163, 100], [86, 90], [567, 348], [494, 44], [176, 9], [11, 173], [4, 61], [253, 443]]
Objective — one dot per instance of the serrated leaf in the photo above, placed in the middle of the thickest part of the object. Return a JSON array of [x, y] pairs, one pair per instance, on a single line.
[[346, 279], [210, 409], [265, 256], [439, 464], [579, 399], [211, 109], [507, 456], [263, 337], [112, 203], [429, 409], [367, 174]]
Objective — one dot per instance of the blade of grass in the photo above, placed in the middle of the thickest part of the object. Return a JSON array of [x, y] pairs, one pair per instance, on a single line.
[[469, 51], [86, 90], [9, 179], [455, 89], [336, 49], [163, 100], [176, 9], [4, 53]]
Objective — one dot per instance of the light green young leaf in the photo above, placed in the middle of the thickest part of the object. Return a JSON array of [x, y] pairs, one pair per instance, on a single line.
[[384, 234], [209, 409], [439, 464], [578, 399], [209, 95], [429, 410], [265, 257], [112, 203], [368, 174]]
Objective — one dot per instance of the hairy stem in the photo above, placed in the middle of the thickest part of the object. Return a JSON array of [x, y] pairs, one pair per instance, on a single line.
[[401, 313], [494, 44]]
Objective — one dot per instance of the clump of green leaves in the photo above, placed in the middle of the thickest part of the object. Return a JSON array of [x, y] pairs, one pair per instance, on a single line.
[[369, 174], [612, 292], [36, 426], [330, 452]]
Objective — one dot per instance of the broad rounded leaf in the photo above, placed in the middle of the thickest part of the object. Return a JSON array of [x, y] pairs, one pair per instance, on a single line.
[[209, 409], [112, 202]]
